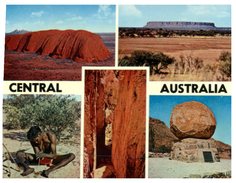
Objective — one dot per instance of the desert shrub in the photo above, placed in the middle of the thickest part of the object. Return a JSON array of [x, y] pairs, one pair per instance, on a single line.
[[225, 65], [145, 32], [156, 61], [12, 117], [125, 61], [51, 112], [188, 64], [197, 63], [19, 101]]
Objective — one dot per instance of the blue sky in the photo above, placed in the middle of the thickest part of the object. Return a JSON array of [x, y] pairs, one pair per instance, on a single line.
[[139, 15], [43, 17], [162, 106]]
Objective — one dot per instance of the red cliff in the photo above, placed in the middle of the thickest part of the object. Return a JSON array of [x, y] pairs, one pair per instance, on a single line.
[[114, 123], [78, 45]]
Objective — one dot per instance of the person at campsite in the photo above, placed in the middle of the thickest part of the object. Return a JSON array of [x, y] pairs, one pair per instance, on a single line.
[[44, 146]]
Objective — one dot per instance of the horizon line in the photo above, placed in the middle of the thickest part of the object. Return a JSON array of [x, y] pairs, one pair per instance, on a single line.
[[59, 30]]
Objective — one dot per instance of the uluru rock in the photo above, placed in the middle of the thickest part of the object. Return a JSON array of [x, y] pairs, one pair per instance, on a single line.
[[78, 45], [192, 120]]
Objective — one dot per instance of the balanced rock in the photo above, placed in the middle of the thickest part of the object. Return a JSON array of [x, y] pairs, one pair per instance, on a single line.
[[78, 45], [192, 120]]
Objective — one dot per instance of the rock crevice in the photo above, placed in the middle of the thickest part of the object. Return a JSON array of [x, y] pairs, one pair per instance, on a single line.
[[114, 124]]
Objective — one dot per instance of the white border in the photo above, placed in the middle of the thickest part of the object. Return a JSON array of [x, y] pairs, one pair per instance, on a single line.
[[121, 2]]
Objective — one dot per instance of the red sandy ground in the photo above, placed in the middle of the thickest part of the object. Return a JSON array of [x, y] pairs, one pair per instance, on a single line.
[[29, 66], [206, 48]]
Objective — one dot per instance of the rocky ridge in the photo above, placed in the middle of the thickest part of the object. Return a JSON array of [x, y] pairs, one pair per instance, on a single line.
[[182, 25]]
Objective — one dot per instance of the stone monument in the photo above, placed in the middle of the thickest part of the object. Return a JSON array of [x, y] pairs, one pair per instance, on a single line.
[[194, 124]]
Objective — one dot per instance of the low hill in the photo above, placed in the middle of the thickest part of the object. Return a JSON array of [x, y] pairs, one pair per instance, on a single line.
[[17, 32], [224, 149], [160, 136]]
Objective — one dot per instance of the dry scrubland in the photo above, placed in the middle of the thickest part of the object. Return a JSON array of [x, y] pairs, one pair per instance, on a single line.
[[206, 50], [59, 114]]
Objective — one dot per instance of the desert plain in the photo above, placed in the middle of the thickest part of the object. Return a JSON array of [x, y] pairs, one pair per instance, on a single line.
[[206, 48]]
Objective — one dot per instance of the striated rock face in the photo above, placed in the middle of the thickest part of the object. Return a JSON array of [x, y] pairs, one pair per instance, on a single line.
[[175, 25], [160, 136], [78, 45], [224, 150], [192, 120], [114, 122]]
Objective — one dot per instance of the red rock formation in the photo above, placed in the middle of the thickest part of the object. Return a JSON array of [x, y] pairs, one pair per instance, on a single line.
[[192, 120], [77, 45], [117, 98], [224, 150], [160, 136], [128, 138]]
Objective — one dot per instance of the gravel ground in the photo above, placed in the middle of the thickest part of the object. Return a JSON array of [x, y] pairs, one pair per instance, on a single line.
[[165, 168], [14, 141]]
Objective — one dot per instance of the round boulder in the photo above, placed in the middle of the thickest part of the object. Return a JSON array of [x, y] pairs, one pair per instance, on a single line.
[[192, 120]]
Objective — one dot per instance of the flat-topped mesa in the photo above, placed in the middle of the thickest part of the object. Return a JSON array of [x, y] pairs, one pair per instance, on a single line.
[[179, 25], [78, 45]]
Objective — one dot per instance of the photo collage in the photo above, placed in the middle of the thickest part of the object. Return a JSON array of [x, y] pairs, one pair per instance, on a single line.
[[117, 91]]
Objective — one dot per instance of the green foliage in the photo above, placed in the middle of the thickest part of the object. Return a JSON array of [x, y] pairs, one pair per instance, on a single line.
[[156, 61], [225, 64], [163, 149], [51, 112], [13, 115], [148, 33], [19, 101]]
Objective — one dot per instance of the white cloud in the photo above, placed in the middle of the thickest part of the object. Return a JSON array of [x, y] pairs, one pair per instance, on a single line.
[[129, 10], [216, 11], [37, 14], [104, 10]]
